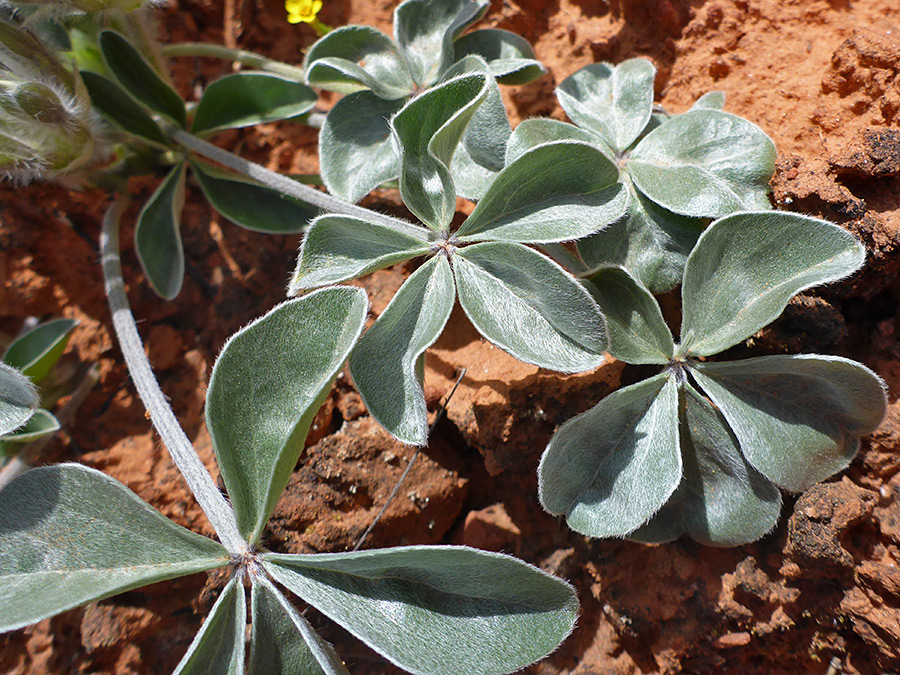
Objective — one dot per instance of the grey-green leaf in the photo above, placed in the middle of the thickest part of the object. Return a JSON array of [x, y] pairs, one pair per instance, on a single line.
[[218, 649], [70, 535], [554, 192], [711, 100], [798, 418], [267, 386], [283, 641], [538, 131], [651, 243], [353, 58], [18, 399], [436, 610], [139, 78], [251, 205], [638, 333], [36, 352], [356, 152], [338, 248], [427, 131], [384, 363], [510, 57], [610, 469], [747, 266], [426, 29], [726, 502], [111, 101], [157, 238], [529, 306], [244, 99], [614, 102], [41, 423], [706, 164]]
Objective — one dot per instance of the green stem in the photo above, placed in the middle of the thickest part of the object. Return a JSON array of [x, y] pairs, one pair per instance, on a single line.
[[237, 55], [291, 187], [217, 509]]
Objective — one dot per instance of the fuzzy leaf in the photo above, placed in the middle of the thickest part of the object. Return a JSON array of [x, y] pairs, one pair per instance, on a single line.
[[267, 386], [111, 101], [384, 363], [638, 333], [251, 205], [70, 535], [36, 352], [139, 78], [537, 131], [711, 100], [218, 649], [157, 238], [427, 131], [338, 248], [438, 610], [356, 153], [353, 58], [18, 399], [426, 29], [614, 102], [747, 266], [705, 163], [798, 418], [283, 641], [510, 57], [41, 423], [651, 243], [554, 192], [529, 306], [244, 99], [611, 468]]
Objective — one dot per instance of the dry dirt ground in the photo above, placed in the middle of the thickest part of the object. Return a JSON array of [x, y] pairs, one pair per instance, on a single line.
[[821, 594]]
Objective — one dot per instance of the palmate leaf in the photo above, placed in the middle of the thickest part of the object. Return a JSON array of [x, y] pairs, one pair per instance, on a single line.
[[528, 306], [337, 248], [386, 366], [747, 266], [650, 242], [267, 386], [638, 333], [283, 641], [18, 399], [356, 152], [244, 99], [722, 500], [218, 649], [798, 418], [427, 131], [426, 29], [70, 535], [139, 78], [354, 58], [554, 192], [251, 205], [111, 101], [610, 469], [615, 102], [705, 163], [509, 56], [36, 352], [436, 609], [537, 131], [157, 237]]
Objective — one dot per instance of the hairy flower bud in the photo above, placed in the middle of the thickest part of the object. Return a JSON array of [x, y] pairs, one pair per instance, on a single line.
[[45, 126]]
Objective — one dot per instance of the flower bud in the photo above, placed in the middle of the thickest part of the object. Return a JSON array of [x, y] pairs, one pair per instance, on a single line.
[[45, 113]]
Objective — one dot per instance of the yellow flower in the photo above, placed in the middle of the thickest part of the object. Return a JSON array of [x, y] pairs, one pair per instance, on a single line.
[[302, 10]]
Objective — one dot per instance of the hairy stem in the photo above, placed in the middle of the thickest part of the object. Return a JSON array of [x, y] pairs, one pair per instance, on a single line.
[[289, 186], [236, 55], [212, 502]]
